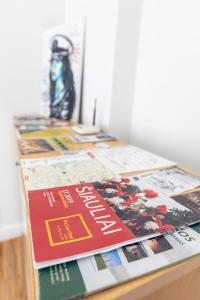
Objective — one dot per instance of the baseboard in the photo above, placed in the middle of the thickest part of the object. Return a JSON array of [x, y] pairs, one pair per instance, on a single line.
[[12, 231]]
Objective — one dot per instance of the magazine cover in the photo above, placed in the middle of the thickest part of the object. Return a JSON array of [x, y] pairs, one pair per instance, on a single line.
[[172, 181], [35, 146], [75, 167], [20, 120], [102, 137], [130, 159], [74, 221], [53, 146], [43, 131], [62, 71], [88, 275], [190, 200]]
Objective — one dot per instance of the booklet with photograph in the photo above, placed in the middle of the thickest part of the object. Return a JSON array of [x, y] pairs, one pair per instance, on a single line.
[[102, 137], [72, 168], [86, 129], [31, 120], [74, 221], [190, 200], [43, 131], [88, 275], [62, 71], [129, 159], [172, 181], [53, 146], [35, 146]]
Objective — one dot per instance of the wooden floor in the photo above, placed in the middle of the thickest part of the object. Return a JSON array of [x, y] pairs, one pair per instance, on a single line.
[[12, 271]]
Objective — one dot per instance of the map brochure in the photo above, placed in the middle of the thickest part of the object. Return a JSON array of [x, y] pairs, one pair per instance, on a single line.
[[101, 137], [127, 159], [68, 169], [88, 275], [76, 221], [172, 181]]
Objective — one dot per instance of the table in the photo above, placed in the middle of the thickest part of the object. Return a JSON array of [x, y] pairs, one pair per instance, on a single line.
[[176, 282]]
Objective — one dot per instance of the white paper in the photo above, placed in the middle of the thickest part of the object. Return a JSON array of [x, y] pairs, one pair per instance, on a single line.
[[102, 137], [172, 181], [68, 169], [126, 159], [139, 259]]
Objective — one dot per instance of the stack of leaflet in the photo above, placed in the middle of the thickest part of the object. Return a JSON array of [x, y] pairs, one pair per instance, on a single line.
[[36, 140], [94, 226]]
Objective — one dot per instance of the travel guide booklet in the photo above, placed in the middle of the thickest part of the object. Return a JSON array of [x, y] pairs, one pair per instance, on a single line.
[[79, 220], [35, 146], [129, 159], [102, 137], [43, 131], [88, 275], [44, 147], [31, 120], [85, 129], [53, 146], [72, 168], [172, 181]]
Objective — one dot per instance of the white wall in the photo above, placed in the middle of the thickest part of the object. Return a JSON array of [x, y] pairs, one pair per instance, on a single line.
[[147, 79], [21, 26], [124, 71], [157, 43], [101, 26], [165, 117]]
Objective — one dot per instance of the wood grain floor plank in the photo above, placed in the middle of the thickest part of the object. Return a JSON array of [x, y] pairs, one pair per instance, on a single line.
[[12, 270]]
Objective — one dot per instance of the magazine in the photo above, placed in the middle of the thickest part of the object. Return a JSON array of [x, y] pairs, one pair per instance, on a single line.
[[86, 129], [43, 131], [38, 120], [88, 275], [102, 137], [52, 146], [22, 120], [190, 200], [129, 159], [75, 167], [172, 181], [96, 217], [35, 146], [62, 71]]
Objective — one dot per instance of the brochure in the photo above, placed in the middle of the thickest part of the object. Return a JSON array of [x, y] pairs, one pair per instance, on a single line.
[[102, 137], [74, 221], [86, 129], [43, 131], [72, 168], [35, 146], [88, 275], [190, 200], [172, 181], [129, 159], [55, 145], [38, 120], [62, 71], [52, 146]]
